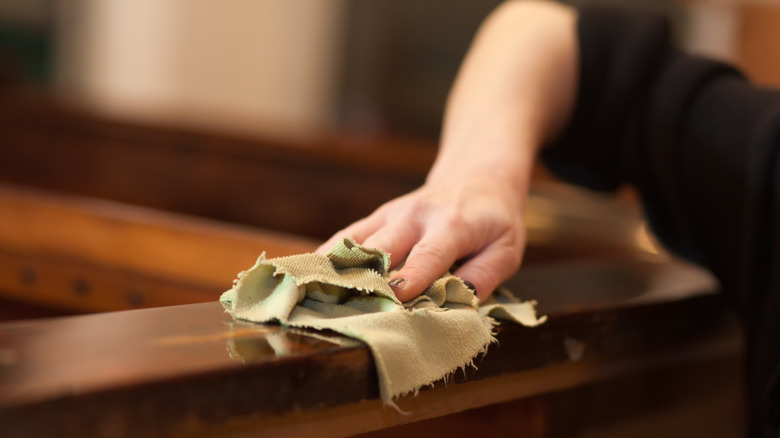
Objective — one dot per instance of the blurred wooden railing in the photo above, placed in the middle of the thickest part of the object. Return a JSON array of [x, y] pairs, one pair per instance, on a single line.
[[307, 183], [99, 215]]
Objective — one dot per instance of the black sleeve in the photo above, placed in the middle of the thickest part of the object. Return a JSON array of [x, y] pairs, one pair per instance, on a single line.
[[702, 146]]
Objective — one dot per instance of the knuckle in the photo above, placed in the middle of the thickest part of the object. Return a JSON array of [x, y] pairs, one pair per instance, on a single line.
[[455, 220], [513, 258], [513, 240], [344, 231], [404, 208], [430, 251], [383, 209], [480, 274], [414, 207], [507, 261]]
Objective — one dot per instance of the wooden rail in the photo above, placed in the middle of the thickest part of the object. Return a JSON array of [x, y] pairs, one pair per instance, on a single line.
[[190, 370], [90, 255], [627, 326], [83, 254], [306, 183]]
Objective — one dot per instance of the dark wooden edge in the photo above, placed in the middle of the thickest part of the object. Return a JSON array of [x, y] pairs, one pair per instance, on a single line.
[[74, 285], [343, 376]]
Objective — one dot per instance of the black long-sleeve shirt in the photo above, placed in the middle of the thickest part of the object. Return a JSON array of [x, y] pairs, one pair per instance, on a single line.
[[702, 146]]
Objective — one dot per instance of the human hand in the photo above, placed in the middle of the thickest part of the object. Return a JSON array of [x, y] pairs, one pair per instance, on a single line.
[[515, 92], [474, 223]]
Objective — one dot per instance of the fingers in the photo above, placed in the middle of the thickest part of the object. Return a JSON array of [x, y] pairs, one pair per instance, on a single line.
[[396, 238], [358, 231], [427, 261], [486, 270], [431, 229]]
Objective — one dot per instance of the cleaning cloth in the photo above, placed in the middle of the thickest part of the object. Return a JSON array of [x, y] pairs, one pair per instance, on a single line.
[[413, 344]]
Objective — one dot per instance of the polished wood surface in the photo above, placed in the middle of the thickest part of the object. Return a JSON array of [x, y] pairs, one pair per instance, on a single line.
[[187, 369], [83, 254]]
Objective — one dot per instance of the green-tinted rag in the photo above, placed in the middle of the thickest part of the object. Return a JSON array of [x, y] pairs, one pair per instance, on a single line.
[[413, 344]]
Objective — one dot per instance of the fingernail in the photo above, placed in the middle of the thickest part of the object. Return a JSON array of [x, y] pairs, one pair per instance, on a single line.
[[470, 285], [397, 283]]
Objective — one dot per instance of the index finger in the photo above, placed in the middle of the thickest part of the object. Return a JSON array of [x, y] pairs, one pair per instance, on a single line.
[[433, 255], [358, 231]]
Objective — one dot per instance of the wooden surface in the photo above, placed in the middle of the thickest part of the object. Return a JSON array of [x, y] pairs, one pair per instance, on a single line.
[[282, 181], [85, 255], [189, 369], [82, 254], [759, 31], [617, 311]]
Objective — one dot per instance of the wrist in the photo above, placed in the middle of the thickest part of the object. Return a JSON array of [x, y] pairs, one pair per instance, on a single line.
[[484, 178], [502, 156]]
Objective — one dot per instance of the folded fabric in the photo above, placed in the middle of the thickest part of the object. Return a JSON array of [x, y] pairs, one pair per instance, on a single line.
[[413, 344]]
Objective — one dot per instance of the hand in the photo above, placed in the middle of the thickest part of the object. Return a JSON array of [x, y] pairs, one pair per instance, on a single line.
[[514, 92], [475, 222]]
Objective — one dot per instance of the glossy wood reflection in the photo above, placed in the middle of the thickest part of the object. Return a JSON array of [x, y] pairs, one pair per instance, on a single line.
[[92, 373], [87, 255]]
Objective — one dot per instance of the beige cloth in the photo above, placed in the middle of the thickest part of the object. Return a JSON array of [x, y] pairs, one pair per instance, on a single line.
[[413, 344]]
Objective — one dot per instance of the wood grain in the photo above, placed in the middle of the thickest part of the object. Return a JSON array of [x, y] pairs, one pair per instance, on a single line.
[[90, 255], [189, 369]]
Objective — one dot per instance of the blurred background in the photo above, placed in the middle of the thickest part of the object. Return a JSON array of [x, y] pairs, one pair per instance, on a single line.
[[370, 66]]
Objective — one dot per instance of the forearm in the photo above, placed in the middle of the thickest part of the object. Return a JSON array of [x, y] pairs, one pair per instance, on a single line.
[[515, 90]]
